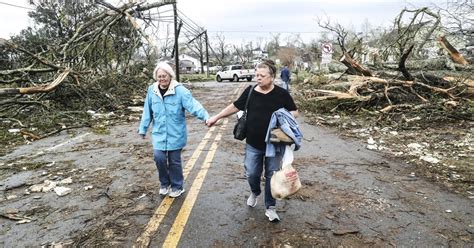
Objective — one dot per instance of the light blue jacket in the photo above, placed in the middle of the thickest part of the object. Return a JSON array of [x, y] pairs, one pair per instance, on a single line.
[[168, 115], [288, 125]]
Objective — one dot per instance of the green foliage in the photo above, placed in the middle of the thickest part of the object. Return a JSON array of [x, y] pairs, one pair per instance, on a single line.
[[196, 77], [298, 76]]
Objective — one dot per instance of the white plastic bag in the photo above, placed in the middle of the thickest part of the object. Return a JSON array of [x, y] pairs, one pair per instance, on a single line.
[[286, 181]]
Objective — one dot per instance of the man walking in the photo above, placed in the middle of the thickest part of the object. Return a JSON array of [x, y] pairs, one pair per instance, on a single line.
[[285, 75]]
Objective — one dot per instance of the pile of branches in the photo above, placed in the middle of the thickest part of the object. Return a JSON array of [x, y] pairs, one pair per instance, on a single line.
[[352, 92], [81, 55]]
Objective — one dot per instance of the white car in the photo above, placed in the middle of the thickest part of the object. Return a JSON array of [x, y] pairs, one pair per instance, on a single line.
[[235, 73]]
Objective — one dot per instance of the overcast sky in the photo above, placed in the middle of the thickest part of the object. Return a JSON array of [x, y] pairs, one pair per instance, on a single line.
[[245, 20]]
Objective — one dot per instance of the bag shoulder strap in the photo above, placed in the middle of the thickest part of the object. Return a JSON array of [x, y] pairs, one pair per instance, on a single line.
[[248, 97]]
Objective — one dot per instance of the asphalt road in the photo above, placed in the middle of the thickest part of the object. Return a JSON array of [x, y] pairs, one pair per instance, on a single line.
[[351, 196]]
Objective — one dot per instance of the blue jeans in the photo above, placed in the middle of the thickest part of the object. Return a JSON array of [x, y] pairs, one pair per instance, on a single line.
[[170, 170], [254, 161]]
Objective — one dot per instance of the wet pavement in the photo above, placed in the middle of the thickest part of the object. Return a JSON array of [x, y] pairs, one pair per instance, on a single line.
[[351, 196]]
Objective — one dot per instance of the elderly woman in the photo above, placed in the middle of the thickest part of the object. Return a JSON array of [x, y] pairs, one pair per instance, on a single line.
[[265, 99], [165, 105]]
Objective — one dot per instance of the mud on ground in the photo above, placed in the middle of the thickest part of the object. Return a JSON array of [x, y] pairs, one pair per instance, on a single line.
[[441, 151]]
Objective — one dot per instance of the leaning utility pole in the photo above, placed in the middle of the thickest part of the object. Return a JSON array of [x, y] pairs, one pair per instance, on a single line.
[[176, 36], [207, 54]]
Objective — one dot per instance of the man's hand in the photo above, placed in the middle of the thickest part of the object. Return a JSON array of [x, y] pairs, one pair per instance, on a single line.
[[142, 135]]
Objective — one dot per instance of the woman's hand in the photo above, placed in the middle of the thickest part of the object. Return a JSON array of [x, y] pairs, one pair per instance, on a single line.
[[211, 121]]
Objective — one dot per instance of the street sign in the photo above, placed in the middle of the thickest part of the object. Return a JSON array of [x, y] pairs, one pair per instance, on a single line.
[[326, 48]]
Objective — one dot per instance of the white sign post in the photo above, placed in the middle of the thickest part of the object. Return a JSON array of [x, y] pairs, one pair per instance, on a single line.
[[326, 55]]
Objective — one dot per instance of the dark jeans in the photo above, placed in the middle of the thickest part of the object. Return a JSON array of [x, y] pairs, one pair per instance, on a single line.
[[170, 169]]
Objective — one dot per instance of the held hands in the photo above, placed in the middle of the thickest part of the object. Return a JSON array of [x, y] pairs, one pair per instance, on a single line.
[[211, 121]]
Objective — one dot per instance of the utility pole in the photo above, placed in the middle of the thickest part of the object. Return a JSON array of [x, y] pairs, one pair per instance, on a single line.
[[207, 54], [176, 36], [200, 55]]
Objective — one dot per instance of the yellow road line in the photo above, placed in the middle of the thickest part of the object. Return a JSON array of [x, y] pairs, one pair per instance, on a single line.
[[178, 226], [160, 212]]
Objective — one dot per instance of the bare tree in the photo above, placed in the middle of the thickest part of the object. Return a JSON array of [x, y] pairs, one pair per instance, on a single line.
[[220, 47], [287, 55], [458, 17], [273, 45], [411, 37]]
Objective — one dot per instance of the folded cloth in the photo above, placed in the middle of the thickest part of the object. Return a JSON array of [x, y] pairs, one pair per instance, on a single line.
[[277, 136]]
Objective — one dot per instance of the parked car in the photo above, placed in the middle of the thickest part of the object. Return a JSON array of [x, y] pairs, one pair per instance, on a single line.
[[235, 73]]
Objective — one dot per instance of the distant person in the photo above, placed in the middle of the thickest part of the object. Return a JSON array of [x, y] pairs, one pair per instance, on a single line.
[[165, 104], [265, 99], [285, 75]]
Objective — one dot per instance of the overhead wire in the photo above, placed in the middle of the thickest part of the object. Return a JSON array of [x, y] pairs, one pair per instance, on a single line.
[[17, 6]]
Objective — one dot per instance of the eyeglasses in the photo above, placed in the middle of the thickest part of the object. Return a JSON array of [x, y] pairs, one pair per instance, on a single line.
[[162, 76]]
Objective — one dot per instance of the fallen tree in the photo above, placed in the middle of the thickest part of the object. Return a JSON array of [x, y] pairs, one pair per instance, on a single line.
[[78, 52], [84, 59]]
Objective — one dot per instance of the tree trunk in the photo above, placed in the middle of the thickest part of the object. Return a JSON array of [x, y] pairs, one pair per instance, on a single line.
[[36, 89], [353, 67], [401, 64], [453, 53]]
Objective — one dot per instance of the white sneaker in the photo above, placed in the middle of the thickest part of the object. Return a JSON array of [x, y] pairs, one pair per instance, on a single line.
[[252, 200], [176, 192], [272, 214], [164, 191]]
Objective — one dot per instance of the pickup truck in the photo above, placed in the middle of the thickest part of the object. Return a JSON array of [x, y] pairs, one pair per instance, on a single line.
[[235, 73]]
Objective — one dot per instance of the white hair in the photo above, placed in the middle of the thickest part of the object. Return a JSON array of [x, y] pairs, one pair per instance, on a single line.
[[165, 67]]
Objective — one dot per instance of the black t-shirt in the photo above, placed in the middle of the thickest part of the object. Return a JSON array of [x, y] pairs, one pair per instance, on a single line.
[[260, 110]]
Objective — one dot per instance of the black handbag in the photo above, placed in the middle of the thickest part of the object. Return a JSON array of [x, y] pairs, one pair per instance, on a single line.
[[240, 128]]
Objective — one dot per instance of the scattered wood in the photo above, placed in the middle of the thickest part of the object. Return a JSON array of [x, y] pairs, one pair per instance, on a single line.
[[19, 218], [31, 135], [344, 231]]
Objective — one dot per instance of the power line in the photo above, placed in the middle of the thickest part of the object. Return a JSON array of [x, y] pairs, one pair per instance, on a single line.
[[263, 31], [190, 28], [17, 6], [189, 18]]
